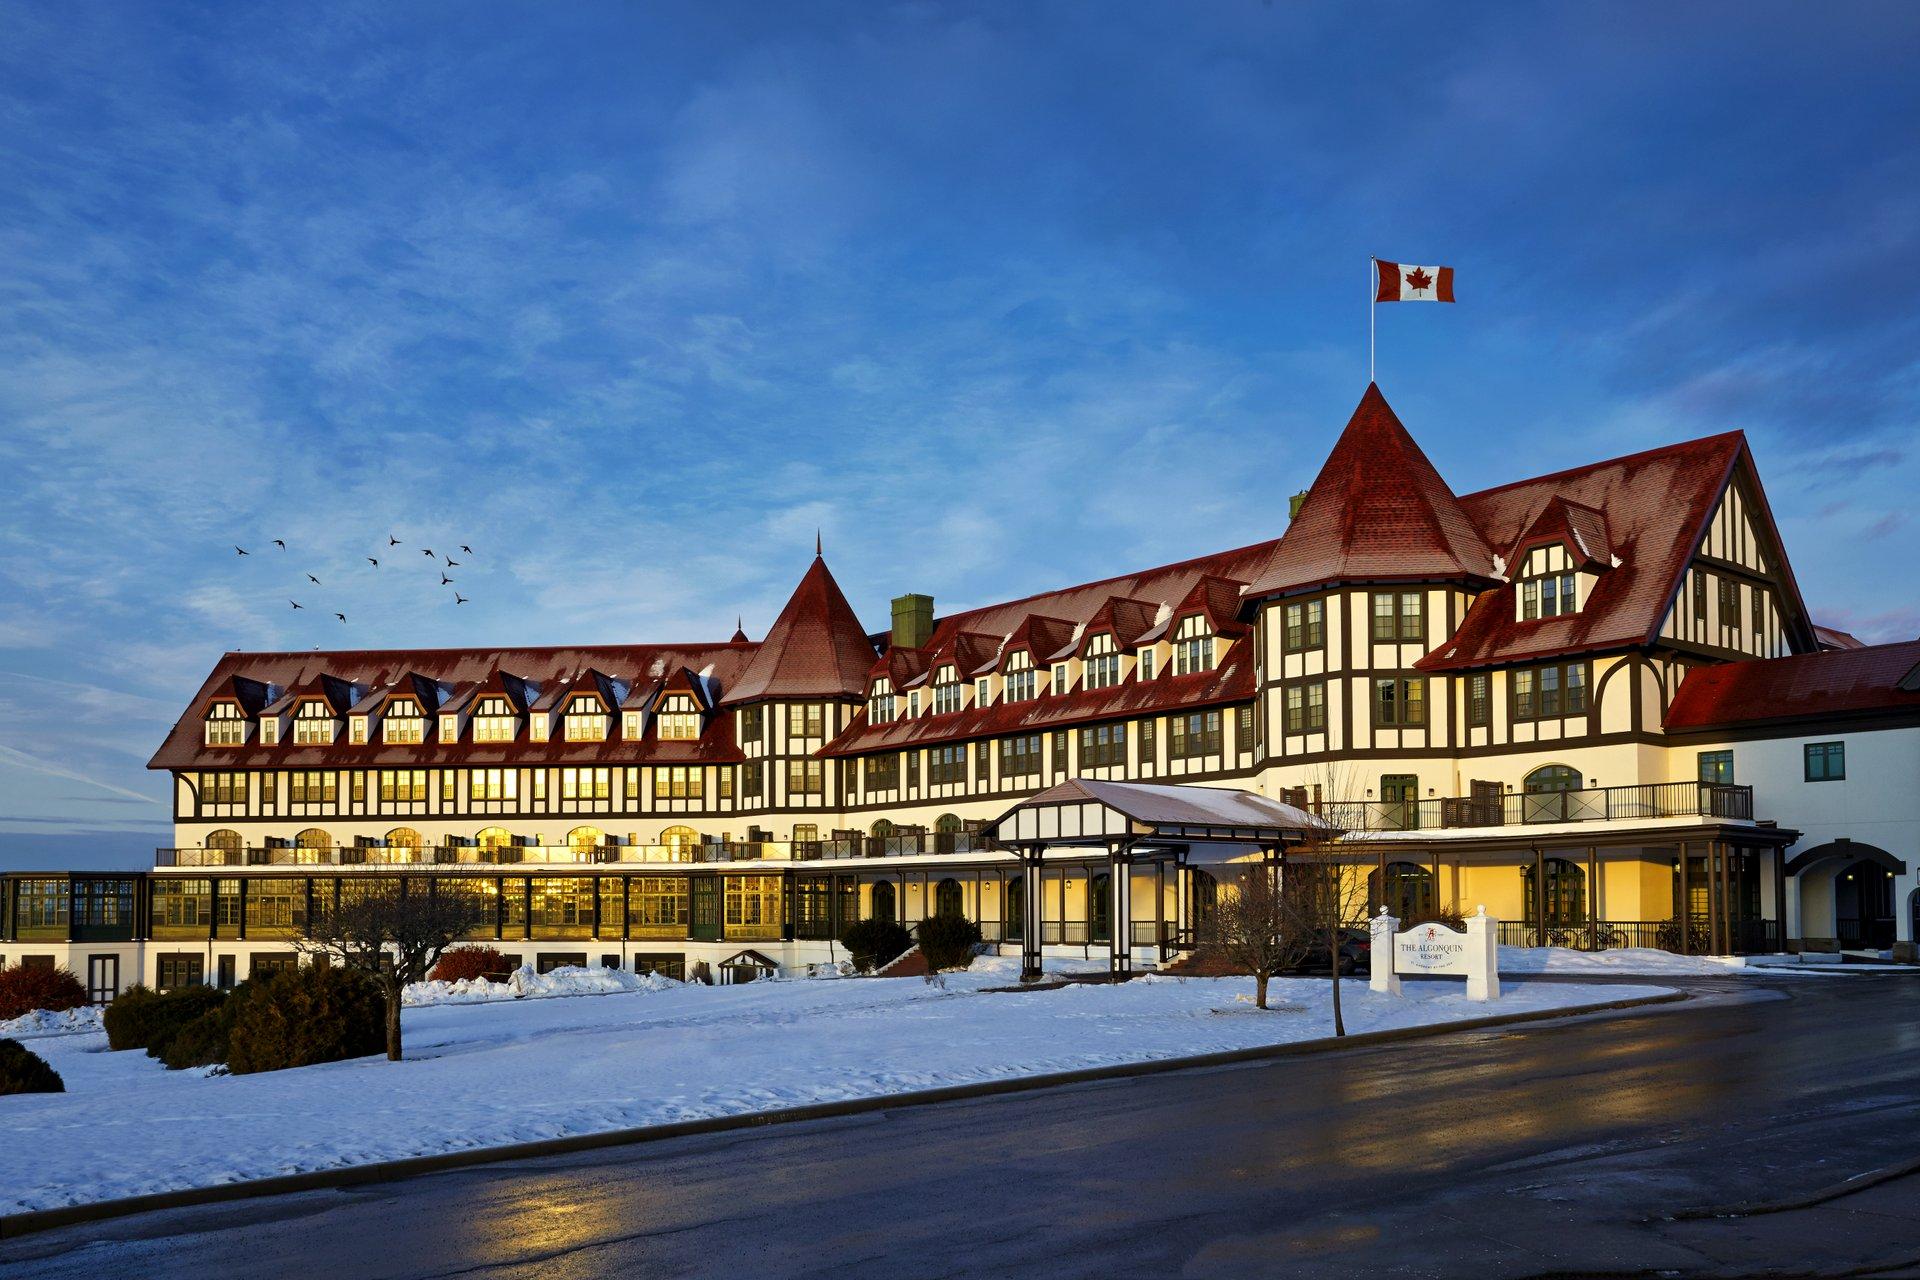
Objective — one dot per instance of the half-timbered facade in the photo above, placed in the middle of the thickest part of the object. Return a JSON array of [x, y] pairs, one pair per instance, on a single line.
[[1478, 691]]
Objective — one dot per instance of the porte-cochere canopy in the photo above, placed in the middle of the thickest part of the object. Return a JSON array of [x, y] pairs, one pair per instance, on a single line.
[[1086, 812]]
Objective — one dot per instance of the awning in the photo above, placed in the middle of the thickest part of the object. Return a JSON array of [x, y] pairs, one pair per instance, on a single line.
[[1085, 812]]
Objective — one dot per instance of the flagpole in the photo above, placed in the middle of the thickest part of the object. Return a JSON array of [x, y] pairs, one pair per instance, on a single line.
[[1373, 287]]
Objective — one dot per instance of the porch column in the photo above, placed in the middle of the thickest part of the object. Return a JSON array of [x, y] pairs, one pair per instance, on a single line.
[[1593, 898], [1539, 897], [1716, 945], [1780, 892], [1030, 906], [1683, 909], [1119, 911]]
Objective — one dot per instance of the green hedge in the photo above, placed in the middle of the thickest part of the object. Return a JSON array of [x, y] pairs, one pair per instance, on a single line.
[[948, 941], [142, 1018], [24, 989], [874, 942], [23, 1071], [307, 1015]]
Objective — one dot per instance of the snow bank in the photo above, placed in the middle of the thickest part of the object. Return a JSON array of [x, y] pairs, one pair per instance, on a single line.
[[1634, 960], [686, 1052], [45, 1022], [524, 983]]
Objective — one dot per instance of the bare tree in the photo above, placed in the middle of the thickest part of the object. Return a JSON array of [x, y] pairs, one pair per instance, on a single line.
[[1320, 899], [1254, 930], [394, 933]]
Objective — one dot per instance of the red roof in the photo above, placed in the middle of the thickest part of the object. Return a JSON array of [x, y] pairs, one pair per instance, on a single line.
[[1835, 638], [815, 649], [1231, 681], [465, 669], [1657, 505], [1377, 512], [1838, 682]]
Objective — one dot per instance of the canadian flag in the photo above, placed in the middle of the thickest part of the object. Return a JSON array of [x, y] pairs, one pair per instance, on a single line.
[[1402, 283]]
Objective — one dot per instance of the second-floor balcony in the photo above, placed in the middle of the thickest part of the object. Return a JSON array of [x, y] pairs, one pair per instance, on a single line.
[[690, 851], [1642, 802]]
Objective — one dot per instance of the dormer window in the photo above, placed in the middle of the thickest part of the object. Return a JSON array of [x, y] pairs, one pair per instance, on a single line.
[[1059, 684], [494, 721], [947, 693], [226, 727], [881, 707], [269, 731], [1192, 647], [1146, 664], [1019, 683], [1548, 597], [679, 719], [313, 725], [1101, 668], [586, 720], [449, 728], [357, 731], [630, 725], [982, 692], [403, 722]]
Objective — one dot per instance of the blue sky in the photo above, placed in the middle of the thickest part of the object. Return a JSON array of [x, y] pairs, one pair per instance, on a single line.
[[631, 299]]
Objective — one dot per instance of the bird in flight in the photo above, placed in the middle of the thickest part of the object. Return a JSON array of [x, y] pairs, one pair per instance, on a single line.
[[426, 551], [451, 562], [444, 580], [296, 604], [392, 541], [278, 543], [242, 551], [373, 562], [464, 547], [458, 598], [341, 616], [315, 581]]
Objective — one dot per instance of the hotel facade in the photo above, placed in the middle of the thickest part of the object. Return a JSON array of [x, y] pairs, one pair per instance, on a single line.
[[1591, 701]]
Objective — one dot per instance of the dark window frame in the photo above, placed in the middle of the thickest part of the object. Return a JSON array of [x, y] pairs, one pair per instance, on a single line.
[[1827, 753]]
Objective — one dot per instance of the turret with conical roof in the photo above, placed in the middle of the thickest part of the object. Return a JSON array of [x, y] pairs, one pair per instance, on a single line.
[[1377, 512], [815, 649]]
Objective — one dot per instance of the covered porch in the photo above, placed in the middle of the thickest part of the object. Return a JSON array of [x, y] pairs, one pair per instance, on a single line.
[[1166, 831]]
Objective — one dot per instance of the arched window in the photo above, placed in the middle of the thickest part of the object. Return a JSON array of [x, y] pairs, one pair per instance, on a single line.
[[881, 905], [223, 839], [1014, 927], [947, 900], [1100, 908], [1553, 777], [1548, 794], [882, 828], [1566, 894], [1409, 893], [948, 824], [494, 838], [680, 842], [403, 838], [584, 840], [313, 838]]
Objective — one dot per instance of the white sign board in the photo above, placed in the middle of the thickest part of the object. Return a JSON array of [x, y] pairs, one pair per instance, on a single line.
[[1431, 948], [1434, 950]]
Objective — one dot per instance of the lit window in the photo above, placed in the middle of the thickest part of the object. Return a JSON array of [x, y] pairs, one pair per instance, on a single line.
[[586, 720], [804, 721], [1399, 702], [313, 725], [679, 720], [403, 722], [226, 727], [494, 721], [493, 784]]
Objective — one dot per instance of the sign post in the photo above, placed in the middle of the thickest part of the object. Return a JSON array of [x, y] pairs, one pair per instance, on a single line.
[[1434, 950]]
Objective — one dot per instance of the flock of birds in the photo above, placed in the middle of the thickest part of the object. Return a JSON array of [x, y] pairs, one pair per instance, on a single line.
[[374, 561]]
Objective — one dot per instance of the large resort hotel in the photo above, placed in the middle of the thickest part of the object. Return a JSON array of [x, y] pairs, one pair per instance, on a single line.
[[1592, 702]]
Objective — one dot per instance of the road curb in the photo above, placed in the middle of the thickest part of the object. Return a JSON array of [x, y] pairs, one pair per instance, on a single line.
[[1834, 1191], [14, 1225]]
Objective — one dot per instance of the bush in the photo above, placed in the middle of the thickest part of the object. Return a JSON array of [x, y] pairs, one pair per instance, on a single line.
[[142, 1018], [461, 963], [307, 1015], [874, 942], [22, 990], [202, 1041], [23, 1071], [1448, 914], [948, 942]]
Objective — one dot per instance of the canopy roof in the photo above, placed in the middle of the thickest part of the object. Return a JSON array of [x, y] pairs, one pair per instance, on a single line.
[[1083, 811]]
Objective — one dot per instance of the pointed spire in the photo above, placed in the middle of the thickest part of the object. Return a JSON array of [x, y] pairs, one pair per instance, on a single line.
[[739, 630], [1377, 512], [816, 648], [817, 552]]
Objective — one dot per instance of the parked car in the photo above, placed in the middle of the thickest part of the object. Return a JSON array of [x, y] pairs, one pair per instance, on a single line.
[[1356, 953]]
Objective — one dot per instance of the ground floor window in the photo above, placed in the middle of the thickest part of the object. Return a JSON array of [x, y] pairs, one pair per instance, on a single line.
[[881, 898], [1566, 893], [667, 966], [813, 909], [947, 898], [657, 906], [753, 907], [563, 907], [267, 966], [551, 960], [1407, 891], [181, 971]]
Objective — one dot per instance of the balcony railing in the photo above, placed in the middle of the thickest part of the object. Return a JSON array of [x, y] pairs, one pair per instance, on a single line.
[[1527, 808], [709, 851]]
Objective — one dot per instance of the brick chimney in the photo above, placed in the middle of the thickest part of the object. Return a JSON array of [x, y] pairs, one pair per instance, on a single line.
[[912, 621]]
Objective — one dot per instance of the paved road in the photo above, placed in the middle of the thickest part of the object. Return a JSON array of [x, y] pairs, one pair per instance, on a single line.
[[1538, 1150]]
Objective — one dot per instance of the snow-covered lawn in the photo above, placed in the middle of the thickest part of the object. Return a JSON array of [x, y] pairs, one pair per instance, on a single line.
[[513, 1071]]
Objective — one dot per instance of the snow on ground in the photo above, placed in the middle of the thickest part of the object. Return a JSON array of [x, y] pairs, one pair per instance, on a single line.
[[519, 1070], [1635, 960], [44, 1022], [524, 983]]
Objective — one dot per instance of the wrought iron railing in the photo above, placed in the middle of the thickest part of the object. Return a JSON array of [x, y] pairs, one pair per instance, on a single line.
[[1748, 936], [1525, 808]]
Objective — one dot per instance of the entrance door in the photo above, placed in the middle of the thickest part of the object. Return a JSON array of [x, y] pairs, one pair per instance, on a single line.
[[1863, 906], [226, 973], [103, 978], [703, 908], [1399, 797]]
